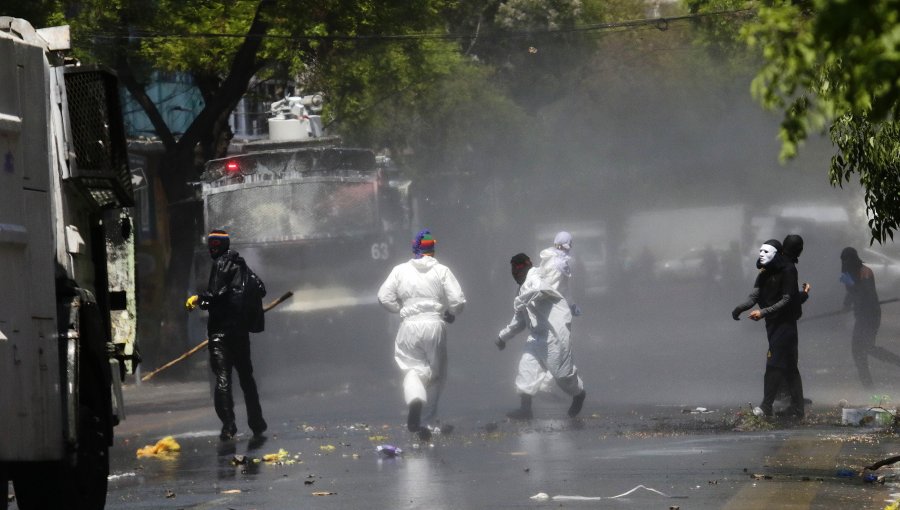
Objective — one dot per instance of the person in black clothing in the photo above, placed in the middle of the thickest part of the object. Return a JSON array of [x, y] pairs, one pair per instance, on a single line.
[[792, 247], [229, 337], [772, 291], [862, 297]]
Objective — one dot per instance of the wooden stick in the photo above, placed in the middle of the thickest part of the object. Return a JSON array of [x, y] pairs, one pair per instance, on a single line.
[[885, 462], [839, 312], [284, 297]]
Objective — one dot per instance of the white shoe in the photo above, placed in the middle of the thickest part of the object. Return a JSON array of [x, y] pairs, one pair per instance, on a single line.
[[757, 411]]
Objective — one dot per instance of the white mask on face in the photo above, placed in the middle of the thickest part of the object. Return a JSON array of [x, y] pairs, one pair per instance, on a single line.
[[766, 254]]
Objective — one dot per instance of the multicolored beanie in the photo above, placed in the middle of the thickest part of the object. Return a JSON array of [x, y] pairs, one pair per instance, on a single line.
[[221, 235], [218, 242], [423, 244]]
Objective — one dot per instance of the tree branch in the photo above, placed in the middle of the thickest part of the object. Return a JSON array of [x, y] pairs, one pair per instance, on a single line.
[[137, 91], [243, 68]]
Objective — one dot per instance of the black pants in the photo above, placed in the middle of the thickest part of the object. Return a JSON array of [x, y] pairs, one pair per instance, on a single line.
[[227, 351], [865, 329], [790, 379], [782, 366]]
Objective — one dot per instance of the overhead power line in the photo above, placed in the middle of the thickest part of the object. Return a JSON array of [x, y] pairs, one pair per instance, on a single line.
[[660, 23]]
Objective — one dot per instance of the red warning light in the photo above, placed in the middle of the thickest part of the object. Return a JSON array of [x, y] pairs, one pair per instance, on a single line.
[[232, 167]]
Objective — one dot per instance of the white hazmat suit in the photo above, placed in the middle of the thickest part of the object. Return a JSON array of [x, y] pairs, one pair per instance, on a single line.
[[556, 271], [421, 290], [556, 267], [546, 313]]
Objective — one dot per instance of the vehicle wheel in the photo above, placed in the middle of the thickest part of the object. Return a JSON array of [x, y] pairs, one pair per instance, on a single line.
[[58, 485], [88, 481], [4, 482]]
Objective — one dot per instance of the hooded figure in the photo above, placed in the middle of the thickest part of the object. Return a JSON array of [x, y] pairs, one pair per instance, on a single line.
[[546, 313], [862, 298], [556, 266], [427, 296], [772, 291], [792, 247]]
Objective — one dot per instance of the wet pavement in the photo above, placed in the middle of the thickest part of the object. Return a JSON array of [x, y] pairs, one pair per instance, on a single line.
[[683, 459], [647, 362]]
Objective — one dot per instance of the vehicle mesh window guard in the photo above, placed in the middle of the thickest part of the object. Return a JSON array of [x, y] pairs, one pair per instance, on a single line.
[[318, 210], [98, 137]]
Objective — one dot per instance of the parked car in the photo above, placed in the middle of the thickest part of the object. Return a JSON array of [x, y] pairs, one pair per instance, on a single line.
[[695, 264]]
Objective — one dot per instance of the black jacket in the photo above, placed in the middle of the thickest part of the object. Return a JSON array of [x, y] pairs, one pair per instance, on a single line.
[[772, 291], [224, 295], [798, 297]]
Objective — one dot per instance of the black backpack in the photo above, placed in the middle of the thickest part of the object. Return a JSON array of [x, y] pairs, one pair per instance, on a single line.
[[254, 291]]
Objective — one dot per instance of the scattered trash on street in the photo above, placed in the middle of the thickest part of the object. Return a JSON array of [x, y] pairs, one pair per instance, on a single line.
[[543, 496], [867, 417], [845, 473], [388, 450], [281, 456], [166, 446]]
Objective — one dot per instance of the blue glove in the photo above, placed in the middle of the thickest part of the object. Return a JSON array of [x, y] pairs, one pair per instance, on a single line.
[[847, 280]]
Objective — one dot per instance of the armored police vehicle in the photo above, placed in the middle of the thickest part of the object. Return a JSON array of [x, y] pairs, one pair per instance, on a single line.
[[311, 216], [63, 184]]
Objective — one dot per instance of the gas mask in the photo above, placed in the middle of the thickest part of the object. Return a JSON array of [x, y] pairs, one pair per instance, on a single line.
[[766, 254], [217, 247]]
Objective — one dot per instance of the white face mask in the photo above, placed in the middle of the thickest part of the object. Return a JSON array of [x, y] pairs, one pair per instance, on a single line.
[[766, 254]]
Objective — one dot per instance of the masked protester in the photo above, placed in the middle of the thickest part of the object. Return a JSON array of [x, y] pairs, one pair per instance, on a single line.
[[862, 298], [427, 296], [546, 313], [772, 291], [229, 337]]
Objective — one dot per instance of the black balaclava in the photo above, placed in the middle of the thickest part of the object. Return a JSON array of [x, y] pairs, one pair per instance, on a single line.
[[793, 247], [218, 243], [520, 265], [774, 243], [850, 261]]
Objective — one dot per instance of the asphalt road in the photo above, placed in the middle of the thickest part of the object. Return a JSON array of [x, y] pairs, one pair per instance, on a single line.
[[684, 460], [645, 358]]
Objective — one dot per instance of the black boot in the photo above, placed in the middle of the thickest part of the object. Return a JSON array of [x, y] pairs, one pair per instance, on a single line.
[[424, 434], [577, 402], [524, 410], [413, 420], [259, 428], [228, 431]]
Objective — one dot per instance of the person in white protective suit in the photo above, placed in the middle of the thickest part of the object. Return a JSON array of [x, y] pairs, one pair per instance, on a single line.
[[556, 270], [427, 296], [546, 313]]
